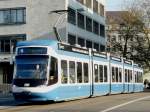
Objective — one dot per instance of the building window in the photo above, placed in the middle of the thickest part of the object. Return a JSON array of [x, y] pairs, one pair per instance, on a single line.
[[81, 22], [101, 10], [81, 42], [102, 30], [102, 48], [96, 27], [89, 3], [88, 24], [81, 1], [71, 16], [6, 42], [88, 44], [71, 39], [96, 46], [95, 6], [12, 16]]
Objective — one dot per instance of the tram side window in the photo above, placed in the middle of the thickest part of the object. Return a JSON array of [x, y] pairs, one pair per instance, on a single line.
[[86, 73], [101, 72], [79, 72], [135, 74], [96, 72], [105, 74], [64, 76], [53, 78], [117, 74], [140, 79], [130, 76], [126, 75], [120, 74], [113, 74], [71, 72]]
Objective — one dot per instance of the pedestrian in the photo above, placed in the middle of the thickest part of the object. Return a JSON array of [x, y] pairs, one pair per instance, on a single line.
[[146, 82]]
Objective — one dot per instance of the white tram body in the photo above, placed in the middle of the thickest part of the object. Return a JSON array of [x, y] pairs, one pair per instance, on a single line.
[[49, 70]]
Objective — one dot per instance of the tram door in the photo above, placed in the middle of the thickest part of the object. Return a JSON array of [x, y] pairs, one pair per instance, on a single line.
[[91, 73], [131, 83], [134, 79], [6, 71], [127, 81]]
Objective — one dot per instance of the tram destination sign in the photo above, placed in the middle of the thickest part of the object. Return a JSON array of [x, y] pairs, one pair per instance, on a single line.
[[70, 48], [98, 54], [116, 58], [32, 50], [81, 50], [128, 62]]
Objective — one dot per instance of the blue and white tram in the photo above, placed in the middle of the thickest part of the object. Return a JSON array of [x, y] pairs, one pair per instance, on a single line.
[[49, 70], [138, 78]]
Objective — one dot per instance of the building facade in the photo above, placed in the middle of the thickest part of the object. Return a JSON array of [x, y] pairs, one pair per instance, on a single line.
[[74, 21]]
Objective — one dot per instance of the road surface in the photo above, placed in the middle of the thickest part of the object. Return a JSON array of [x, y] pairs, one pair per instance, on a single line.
[[137, 102]]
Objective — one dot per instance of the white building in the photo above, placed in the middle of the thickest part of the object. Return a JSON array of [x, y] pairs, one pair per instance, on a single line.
[[77, 22]]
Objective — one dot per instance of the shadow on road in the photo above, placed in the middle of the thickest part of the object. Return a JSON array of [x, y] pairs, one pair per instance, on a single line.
[[12, 102], [146, 90], [9, 101], [35, 103]]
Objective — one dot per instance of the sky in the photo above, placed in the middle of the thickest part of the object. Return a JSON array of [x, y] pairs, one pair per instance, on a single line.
[[113, 5]]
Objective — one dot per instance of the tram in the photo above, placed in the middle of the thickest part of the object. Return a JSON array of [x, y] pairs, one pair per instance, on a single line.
[[47, 70]]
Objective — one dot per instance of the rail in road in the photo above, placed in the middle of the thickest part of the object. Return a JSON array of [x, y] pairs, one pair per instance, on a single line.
[[137, 102]]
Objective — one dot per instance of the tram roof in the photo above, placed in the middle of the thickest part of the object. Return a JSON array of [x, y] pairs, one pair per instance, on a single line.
[[37, 42]]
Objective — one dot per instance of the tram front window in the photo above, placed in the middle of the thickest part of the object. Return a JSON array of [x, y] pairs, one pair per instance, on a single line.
[[31, 71]]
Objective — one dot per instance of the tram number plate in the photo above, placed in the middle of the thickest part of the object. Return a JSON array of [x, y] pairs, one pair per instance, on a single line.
[[26, 84]]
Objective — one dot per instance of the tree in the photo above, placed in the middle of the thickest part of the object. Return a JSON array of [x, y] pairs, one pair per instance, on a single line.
[[132, 26], [143, 41]]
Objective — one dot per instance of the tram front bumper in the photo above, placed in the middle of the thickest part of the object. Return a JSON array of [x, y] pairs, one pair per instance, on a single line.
[[28, 96]]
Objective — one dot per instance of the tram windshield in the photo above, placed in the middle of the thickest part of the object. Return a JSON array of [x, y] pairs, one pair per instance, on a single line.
[[31, 67]]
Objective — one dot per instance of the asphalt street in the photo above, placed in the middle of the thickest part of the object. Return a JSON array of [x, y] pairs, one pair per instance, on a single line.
[[135, 102]]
